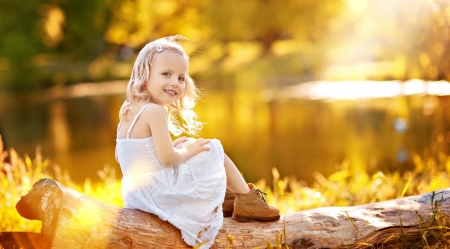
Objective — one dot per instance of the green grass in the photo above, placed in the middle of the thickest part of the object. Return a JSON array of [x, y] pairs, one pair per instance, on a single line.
[[343, 188]]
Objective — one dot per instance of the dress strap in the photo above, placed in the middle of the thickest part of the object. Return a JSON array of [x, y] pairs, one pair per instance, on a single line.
[[134, 120]]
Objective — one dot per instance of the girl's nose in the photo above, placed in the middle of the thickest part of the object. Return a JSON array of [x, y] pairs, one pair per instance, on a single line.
[[174, 82]]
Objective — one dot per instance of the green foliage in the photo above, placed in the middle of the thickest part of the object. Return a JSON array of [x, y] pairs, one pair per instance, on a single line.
[[40, 37], [19, 29]]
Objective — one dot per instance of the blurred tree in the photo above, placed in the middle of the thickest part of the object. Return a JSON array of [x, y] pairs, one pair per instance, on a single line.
[[46, 42], [85, 27], [20, 39], [38, 36], [268, 21], [418, 33], [216, 27], [137, 22], [427, 46], [414, 35]]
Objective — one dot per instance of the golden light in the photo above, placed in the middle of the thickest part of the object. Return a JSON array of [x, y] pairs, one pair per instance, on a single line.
[[53, 21], [374, 39], [351, 90], [357, 6]]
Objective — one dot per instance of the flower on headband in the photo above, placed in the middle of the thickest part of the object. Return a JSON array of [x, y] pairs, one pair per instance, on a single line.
[[158, 48]]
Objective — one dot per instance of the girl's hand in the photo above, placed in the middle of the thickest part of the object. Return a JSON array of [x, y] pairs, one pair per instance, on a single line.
[[179, 141], [197, 146]]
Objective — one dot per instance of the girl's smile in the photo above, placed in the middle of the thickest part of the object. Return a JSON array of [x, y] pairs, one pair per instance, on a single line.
[[171, 92], [167, 81]]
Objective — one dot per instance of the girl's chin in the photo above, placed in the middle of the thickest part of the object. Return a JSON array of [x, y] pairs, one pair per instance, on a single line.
[[173, 98], [168, 102]]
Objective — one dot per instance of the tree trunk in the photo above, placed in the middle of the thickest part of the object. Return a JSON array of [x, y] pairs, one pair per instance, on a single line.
[[72, 220]]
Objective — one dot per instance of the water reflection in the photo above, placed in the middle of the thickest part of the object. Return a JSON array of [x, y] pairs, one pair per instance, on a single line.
[[58, 127], [352, 90], [296, 129]]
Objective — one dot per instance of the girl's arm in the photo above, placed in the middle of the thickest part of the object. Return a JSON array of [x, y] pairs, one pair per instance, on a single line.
[[168, 155]]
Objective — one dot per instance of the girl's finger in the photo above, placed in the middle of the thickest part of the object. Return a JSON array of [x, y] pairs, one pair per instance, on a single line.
[[204, 148], [203, 142]]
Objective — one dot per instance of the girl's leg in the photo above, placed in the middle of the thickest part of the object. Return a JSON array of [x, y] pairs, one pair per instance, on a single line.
[[245, 204], [235, 181]]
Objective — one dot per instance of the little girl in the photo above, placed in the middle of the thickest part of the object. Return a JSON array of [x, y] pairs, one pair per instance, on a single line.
[[181, 181]]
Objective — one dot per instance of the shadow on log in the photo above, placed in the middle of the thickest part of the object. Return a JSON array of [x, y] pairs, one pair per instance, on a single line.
[[72, 220]]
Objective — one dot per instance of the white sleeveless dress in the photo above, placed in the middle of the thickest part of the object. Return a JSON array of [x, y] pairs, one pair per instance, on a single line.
[[189, 195]]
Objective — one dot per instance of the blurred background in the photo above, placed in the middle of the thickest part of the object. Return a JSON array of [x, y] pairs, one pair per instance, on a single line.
[[300, 85]]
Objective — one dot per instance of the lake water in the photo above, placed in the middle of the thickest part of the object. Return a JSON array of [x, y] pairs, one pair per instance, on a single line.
[[317, 126]]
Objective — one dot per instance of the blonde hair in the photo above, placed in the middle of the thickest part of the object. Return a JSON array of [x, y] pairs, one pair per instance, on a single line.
[[181, 116]]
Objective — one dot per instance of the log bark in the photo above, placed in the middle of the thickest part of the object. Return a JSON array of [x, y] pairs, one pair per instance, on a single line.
[[72, 220]]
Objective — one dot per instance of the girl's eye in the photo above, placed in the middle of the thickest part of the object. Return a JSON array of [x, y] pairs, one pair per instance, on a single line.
[[181, 79], [166, 74]]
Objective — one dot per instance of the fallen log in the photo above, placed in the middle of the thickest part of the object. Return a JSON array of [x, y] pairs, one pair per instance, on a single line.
[[72, 220]]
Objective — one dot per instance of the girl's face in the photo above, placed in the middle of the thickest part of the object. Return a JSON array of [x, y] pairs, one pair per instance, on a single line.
[[167, 81]]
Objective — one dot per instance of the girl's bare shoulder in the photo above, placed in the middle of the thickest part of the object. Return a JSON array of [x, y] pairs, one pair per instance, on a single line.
[[154, 113], [154, 110], [150, 110]]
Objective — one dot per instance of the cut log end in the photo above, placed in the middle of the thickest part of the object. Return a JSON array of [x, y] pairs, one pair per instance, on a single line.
[[38, 198]]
